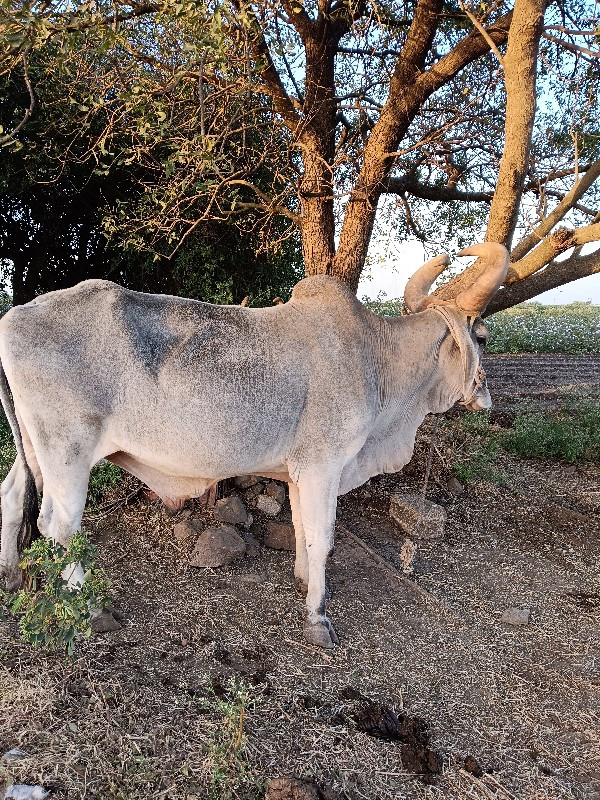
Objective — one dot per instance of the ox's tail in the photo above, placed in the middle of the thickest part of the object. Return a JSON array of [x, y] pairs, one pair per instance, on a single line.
[[28, 530]]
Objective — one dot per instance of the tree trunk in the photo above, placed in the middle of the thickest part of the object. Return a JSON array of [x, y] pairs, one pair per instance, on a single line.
[[520, 64], [317, 142]]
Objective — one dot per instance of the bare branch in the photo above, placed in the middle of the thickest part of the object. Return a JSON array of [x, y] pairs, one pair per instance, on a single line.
[[574, 48], [578, 190], [557, 273], [552, 246], [9, 137], [410, 185], [483, 32]]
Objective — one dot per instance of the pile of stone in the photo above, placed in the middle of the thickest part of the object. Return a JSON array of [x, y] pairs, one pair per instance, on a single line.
[[229, 539]]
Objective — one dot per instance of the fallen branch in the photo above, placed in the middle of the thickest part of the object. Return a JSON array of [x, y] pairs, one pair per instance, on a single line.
[[415, 588]]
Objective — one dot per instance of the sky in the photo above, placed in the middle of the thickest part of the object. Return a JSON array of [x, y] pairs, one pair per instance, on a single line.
[[393, 263]]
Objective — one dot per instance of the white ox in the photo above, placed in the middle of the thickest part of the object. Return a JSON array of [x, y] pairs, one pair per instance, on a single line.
[[318, 392]]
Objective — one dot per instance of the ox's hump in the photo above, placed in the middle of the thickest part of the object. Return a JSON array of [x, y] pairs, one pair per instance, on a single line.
[[322, 290]]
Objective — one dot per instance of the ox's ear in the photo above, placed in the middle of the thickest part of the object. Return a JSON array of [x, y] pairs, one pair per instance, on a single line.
[[419, 284], [473, 300]]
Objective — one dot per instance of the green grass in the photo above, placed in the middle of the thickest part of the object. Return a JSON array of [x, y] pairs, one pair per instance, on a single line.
[[570, 433]]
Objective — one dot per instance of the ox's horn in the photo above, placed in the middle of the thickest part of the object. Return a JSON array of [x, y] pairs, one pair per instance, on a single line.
[[419, 284], [475, 298]]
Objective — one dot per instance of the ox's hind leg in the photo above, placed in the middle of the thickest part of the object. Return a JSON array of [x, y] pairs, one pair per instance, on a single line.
[[62, 509], [13, 498], [15, 502], [301, 563], [318, 500]]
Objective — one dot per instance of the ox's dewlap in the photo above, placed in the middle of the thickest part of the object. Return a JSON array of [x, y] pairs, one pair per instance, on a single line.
[[417, 517]]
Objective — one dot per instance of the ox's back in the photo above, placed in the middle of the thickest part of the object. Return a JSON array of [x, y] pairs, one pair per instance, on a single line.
[[221, 385]]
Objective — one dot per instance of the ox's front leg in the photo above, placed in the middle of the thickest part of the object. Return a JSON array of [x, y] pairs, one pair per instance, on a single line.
[[318, 500], [301, 563]]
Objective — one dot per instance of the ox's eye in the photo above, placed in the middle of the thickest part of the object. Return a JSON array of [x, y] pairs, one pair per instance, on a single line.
[[481, 340]]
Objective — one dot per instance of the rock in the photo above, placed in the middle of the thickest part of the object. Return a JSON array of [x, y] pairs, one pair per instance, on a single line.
[[22, 791], [104, 622], [245, 481], [253, 492], [231, 511], [252, 545], [13, 755], [290, 789], [217, 546], [473, 766], [516, 616], [280, 536], [455, 486], [276, 491], [186, 529], [268, 505], [253, 578], [185, 514], [417, 517]]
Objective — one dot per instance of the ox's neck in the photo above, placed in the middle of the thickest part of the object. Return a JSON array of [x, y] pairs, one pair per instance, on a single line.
[[423, 373]]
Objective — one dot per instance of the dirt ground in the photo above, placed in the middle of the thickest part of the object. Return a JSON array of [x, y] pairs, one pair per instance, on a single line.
[[153, 711]]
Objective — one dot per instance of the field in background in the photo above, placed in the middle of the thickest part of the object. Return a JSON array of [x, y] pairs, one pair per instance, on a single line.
[[532, 327]]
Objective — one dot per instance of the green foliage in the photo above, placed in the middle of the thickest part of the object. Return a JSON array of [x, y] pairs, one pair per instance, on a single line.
[[384, 307], [535, 328], [50, 613], [572, 433], [102, 477], [231, 772]]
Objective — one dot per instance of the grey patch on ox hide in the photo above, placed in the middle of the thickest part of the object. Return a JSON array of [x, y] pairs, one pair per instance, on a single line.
[[148, 332]]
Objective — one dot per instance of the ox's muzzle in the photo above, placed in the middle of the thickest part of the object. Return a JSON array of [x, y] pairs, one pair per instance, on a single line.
[[480, 398]]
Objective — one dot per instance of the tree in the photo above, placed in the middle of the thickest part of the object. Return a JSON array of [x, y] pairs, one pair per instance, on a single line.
[[464, 114], [53, 200]]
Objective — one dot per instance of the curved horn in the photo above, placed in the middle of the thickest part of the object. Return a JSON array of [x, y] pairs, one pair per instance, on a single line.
[[475, 298], [419, 284]]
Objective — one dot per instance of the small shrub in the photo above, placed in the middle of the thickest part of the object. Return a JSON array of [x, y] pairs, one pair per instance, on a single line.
[[51, 614], [572, 433], [481, 464], [231, 772]]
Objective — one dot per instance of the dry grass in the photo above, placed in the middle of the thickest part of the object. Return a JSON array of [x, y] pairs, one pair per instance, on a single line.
[[137, 715]]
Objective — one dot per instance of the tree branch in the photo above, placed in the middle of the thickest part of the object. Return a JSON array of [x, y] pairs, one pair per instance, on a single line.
[[558, 242], [537, 235], [410, 185], [557, 273], [8, 137]]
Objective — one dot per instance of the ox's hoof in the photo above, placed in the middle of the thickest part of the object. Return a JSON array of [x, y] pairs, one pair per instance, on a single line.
[[321, 634], [104, 622]]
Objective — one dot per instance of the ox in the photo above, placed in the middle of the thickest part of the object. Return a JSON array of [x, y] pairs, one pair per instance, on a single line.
[[318, 392]]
